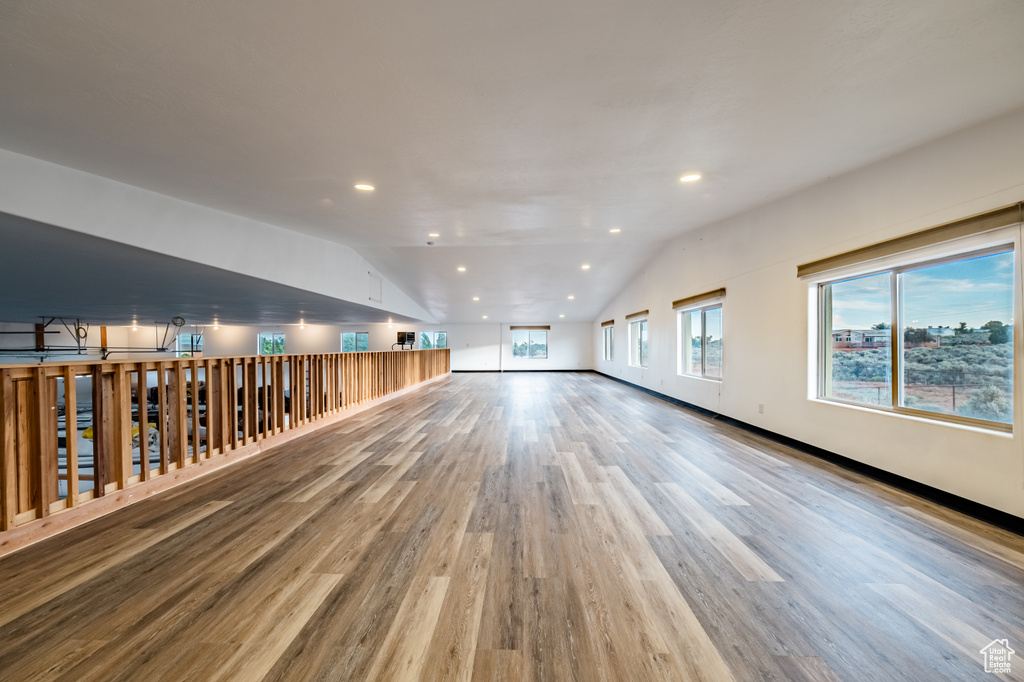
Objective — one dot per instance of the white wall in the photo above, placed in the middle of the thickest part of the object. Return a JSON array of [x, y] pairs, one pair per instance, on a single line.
[[474, 347], [228, 340], [754, 256], [569, 347], [488, 346]]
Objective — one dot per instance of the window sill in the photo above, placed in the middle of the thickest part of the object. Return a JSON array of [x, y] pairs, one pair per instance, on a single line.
[[996, 429], [714, 380]]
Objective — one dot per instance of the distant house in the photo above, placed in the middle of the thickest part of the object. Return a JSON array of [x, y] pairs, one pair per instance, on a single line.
[[860, 338], [940, 331]]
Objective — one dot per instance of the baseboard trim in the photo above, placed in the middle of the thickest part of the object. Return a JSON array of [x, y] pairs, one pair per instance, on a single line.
[[513, 371], [990, 515]]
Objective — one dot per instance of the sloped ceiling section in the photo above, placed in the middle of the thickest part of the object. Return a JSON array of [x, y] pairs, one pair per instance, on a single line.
[[52, 272], [269, 274], [520, 132]]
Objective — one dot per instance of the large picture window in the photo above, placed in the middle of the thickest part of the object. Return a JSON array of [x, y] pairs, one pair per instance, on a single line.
[[430, 340], [950, 322], [530, 343], [355, 342], [638, 343], [701, 342], [270, 344]]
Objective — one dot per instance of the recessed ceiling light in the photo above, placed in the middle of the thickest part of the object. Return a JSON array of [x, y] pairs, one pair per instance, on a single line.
[[364, 188], [434, 234], [462, 268], [561, 315], [485, 317], [615, 230], [585, 266], [476, 298], [692, 177], [571, 297]]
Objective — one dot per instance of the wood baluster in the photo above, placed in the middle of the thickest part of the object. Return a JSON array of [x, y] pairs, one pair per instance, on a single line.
[[194, 395], [265, 377], [45, 465], [8, 456], [178, 414], [279, 412], [162, 416], [226, 423], [120, 404], [228, 418], [143, 402], [214, 403], [100, 426], [71, 434]]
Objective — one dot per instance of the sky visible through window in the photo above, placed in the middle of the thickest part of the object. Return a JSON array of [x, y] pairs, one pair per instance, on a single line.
[[974, 291]]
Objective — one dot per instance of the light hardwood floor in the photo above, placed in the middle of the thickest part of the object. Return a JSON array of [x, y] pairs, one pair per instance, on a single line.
[[518, 527]]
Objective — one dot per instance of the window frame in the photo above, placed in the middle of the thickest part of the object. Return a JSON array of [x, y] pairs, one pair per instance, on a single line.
[[608, 339], [273, 342], [1003, 240], [683, 364], [635, 343], [355, 341]]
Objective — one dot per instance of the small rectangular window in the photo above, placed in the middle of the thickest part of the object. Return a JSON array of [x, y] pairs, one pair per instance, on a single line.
[[638, 343], [609, 340], [430, 340], [951, 322], [189, 346], [270, 344], [352, 342], [701, 342], [530, 343]]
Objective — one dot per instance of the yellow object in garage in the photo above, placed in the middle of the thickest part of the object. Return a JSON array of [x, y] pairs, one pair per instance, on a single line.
[[89, 433]]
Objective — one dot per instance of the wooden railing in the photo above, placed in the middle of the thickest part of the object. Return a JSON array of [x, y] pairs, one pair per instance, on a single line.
[[71, 433]]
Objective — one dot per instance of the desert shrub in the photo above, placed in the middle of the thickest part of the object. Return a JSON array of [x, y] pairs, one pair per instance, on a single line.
[[988, 402]]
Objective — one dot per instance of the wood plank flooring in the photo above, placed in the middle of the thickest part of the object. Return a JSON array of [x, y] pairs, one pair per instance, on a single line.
[[518, 527]]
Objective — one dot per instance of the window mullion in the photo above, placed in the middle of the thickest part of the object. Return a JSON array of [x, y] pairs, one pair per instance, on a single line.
[[895, 341], [703, 346], [825, 339]]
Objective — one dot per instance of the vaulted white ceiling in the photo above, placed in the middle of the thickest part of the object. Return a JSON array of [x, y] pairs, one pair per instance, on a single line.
[[521, 132]]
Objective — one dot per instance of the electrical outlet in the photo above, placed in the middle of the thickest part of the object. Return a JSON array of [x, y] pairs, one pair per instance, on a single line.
[[760, 408]]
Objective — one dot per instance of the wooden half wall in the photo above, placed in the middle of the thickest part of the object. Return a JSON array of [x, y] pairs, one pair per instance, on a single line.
[[79, 440]]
